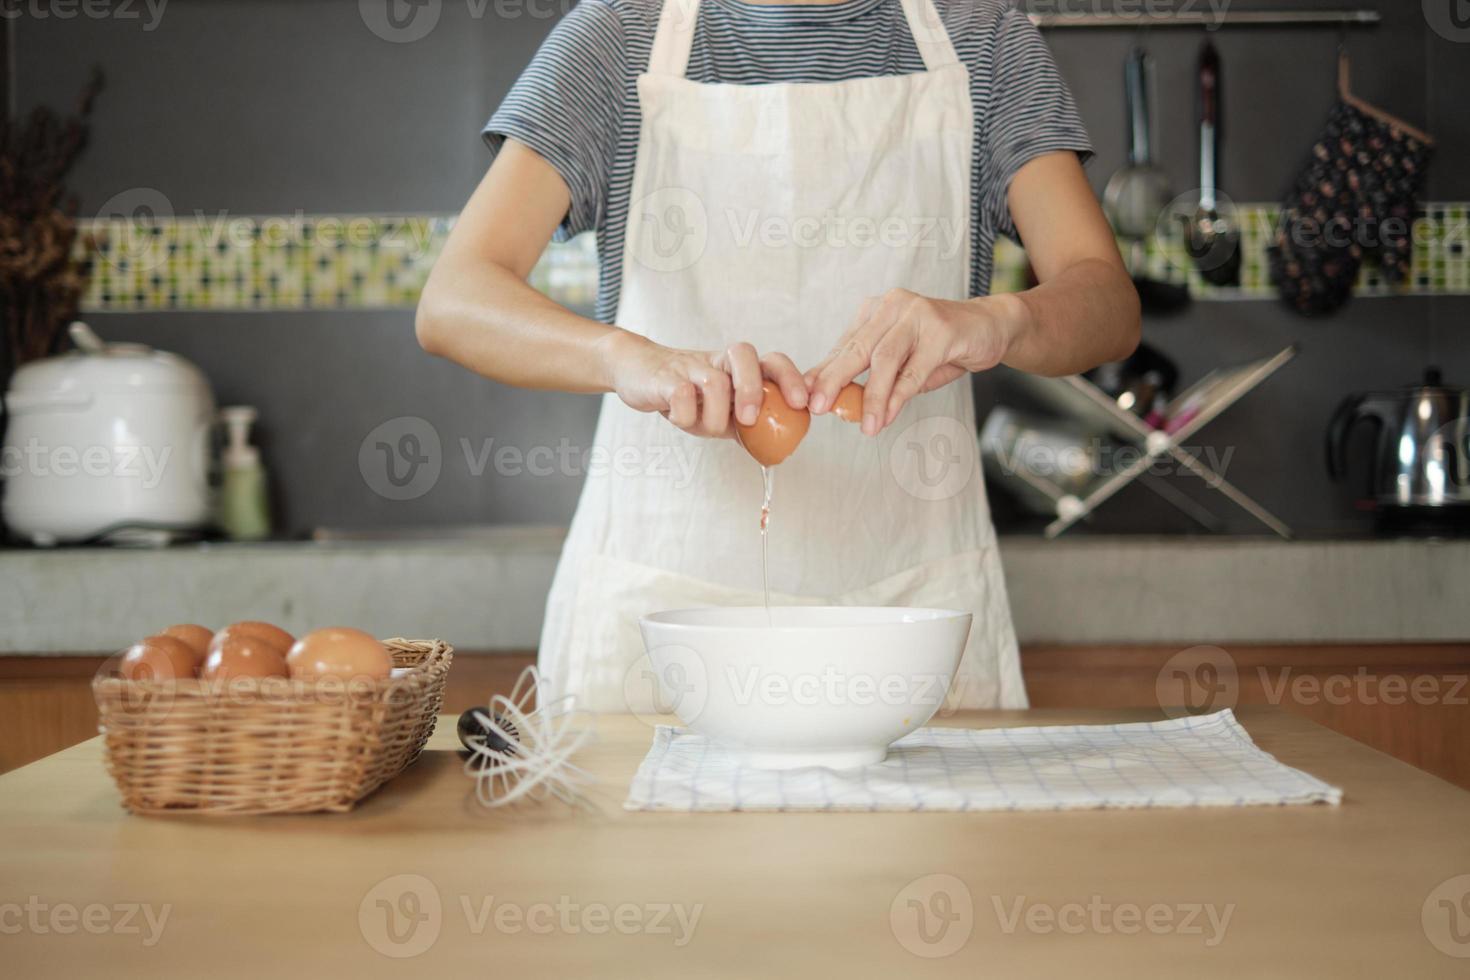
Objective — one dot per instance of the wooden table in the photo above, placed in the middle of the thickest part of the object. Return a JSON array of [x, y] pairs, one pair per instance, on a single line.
[[543, 891]]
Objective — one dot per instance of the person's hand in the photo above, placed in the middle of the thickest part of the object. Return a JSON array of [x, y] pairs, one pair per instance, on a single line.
[[910, 344], [701, 392]]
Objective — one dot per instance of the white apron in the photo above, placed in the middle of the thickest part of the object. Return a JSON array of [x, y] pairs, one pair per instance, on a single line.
[[767, 213]]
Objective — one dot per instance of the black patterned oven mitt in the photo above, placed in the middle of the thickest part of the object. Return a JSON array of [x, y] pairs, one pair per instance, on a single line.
[[1356, 198]]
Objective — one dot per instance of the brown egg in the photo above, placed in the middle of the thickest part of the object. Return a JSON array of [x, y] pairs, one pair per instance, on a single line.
[[243, 656], [848, 405], [273, 635], [339, 651], [776, 431], [159, 658], [196, 636]]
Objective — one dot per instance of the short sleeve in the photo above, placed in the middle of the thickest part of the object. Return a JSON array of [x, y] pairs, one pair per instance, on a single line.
[[1029, 112], [568, 107]]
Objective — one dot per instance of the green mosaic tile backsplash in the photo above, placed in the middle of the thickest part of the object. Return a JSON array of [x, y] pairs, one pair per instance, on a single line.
[[314, 262]]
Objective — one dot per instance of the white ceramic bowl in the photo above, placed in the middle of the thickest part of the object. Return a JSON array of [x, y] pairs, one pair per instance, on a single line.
[[826, 686]]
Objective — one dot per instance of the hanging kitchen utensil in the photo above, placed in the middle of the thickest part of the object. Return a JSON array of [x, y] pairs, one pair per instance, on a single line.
[[1356, 198], [1214, 241], [1137, 194]]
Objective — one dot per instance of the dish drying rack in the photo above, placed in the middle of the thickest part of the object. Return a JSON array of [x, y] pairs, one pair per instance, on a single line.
[[1078, 399]]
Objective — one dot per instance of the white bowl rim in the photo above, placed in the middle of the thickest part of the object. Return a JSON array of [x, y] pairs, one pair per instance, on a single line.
[[881, 616]]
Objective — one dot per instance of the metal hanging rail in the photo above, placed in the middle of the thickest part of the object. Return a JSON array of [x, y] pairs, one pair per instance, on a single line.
[[1211, 19]]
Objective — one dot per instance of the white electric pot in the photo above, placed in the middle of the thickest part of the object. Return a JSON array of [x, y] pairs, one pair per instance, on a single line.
[[111, 441]]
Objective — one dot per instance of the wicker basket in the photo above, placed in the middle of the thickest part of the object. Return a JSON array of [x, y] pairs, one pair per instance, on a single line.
[[269, 746]]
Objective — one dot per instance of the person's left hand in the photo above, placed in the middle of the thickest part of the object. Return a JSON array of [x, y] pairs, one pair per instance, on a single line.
[[910, 344]]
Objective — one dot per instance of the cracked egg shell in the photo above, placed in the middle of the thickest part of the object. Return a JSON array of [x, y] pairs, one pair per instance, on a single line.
[[777, 430]]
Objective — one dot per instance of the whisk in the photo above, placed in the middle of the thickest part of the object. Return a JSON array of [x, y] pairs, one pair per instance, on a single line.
[[518, 751]]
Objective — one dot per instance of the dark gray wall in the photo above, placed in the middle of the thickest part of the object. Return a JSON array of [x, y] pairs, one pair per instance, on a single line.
[[265, 106]]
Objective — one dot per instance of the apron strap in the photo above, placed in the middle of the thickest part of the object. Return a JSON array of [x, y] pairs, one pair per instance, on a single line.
[[930, 37], [673, 38], [676, 21]]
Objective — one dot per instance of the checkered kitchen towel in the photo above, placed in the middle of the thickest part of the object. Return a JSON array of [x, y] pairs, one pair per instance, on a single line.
[[1205, 760]]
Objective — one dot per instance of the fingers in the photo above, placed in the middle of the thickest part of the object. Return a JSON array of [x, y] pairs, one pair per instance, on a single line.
[[928, 357], [813, 375], [889, 357], [745, 375], [780, 369], [714, 390], [684, 405], [854, 354]]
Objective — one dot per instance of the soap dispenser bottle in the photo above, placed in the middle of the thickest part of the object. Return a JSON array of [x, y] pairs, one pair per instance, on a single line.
[[244, 511]]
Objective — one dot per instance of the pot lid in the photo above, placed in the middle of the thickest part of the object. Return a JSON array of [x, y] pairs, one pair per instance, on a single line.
[[132, 367]]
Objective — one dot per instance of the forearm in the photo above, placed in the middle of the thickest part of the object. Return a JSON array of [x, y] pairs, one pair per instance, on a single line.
[[490, 320], [1084, 316]]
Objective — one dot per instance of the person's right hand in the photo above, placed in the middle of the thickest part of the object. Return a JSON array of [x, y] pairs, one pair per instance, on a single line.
[[701, 392]]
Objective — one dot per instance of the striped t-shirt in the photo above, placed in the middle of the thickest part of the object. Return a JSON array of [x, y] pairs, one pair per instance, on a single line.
[[576, 104]]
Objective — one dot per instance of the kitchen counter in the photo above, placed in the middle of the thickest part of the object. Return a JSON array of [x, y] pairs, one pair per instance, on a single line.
[[1364, 889], [485, 588]]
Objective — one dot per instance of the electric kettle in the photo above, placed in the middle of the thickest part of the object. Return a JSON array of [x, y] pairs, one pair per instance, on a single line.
[[109, 441], [1421, 457]]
